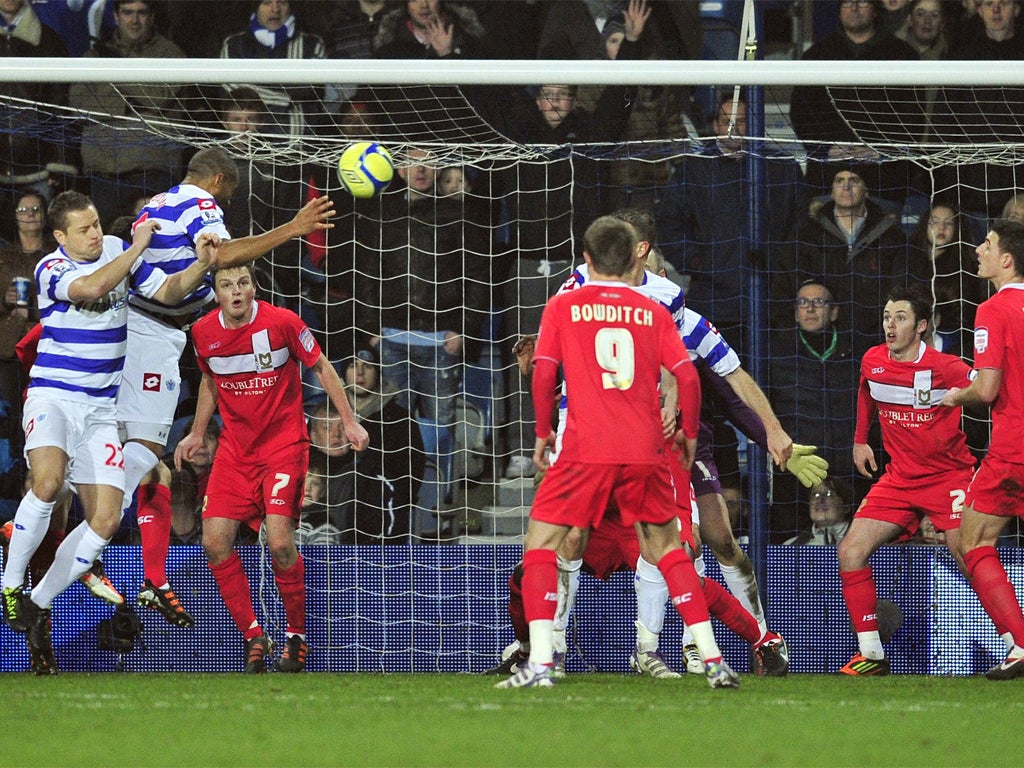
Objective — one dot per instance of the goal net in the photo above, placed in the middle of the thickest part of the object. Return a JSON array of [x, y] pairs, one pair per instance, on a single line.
[[481, 225]]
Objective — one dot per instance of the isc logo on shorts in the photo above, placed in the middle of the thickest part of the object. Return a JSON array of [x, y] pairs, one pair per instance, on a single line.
[[151, 382]]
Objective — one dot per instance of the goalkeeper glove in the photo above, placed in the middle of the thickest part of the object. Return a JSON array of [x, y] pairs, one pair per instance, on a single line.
[[809, 468]]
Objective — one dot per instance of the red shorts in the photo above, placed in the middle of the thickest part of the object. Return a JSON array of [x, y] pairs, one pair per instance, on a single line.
[[997, 488], [904, 502], [246, 492], [612, 546], [577, 494]]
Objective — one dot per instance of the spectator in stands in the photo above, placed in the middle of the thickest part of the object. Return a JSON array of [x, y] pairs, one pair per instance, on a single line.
[[266, 194], [429, 29], [925, 30], [857, 248], [551, 203], [186, 520], [201, 461], [941, 256], [30, 240], [1014, 208], [330, 450], [894, 16], [353, 26], [704, 221], [659, 112], [31, 149], [819, 121], [315, 526], [996, 39], [274, 33], [422, 282], [121, 160], [983, 115], [813, 389], [829, 506], [579, 30], [389, 471]]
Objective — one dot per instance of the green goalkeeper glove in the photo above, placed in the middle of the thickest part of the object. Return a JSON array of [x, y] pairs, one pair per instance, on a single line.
[[809, 468]]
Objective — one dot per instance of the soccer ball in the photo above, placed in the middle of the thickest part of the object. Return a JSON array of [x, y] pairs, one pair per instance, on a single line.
[[365, 169]]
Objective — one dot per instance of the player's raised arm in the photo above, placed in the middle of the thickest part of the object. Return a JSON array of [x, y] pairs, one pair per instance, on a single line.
[[312, 217], [181, 284]]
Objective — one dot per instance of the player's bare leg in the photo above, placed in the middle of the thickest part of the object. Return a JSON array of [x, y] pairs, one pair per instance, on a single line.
[[861, 541], [737, 570], [987, 576]]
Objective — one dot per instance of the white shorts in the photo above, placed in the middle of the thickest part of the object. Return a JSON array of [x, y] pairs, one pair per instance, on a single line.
[[152, 382], [86, 433]]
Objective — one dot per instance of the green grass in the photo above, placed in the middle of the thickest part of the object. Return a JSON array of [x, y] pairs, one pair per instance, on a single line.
[[455, 720]]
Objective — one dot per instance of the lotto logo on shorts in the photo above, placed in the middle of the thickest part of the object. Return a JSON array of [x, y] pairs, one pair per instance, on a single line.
[[151, 382]]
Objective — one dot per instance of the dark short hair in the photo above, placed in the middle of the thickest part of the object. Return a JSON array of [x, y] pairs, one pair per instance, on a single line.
[[919, 302], [248, 266], [1011, 240], [611, 244], [207, 163], [642, 220], [148, 3], [65, 203]]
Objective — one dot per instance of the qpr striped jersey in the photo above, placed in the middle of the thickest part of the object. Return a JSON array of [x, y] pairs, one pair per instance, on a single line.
[[256, 371], [184, 212], [82, 346], [921, 437]]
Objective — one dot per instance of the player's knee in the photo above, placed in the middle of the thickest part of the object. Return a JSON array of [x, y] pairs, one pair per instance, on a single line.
[[46, 487], [572, 545], [283, 553], [217, 547], [106, 522]]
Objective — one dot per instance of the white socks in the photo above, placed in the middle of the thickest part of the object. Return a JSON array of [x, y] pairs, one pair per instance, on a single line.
[[651, 596], [74, 557], [743, 585], [568, 584], [31, 522], [138, 460], [870, 645]]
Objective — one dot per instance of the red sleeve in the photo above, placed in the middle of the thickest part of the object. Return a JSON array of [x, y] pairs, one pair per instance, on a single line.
[[28, 347], [689, 398], [543, 381], [865, 410]]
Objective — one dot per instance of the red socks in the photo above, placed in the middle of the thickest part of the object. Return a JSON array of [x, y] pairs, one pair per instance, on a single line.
[[999, 599], [154, 516], [540, 584], [684, 587], [291, 583], [861, 599], [234, 590], [727, 609]]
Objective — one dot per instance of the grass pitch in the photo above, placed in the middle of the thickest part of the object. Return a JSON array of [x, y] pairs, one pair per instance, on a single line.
[[461, 720]]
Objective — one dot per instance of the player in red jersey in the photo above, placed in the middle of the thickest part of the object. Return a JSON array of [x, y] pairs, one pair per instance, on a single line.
[[611, 344], [249, 354], [902, 382], [997, 491]]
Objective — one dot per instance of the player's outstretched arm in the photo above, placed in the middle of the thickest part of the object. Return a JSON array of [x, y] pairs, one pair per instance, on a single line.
[[181, 284], [780, 444], [331, 382], [313, 216], [101, 282], [196, 438]]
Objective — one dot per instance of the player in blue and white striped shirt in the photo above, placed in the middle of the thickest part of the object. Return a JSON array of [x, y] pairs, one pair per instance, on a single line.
[[69, 416], [156, 337]]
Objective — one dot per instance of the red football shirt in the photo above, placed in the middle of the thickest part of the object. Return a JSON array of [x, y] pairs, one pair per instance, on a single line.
[[999, 343], [256, 370], [921, 437], [611, 343]]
